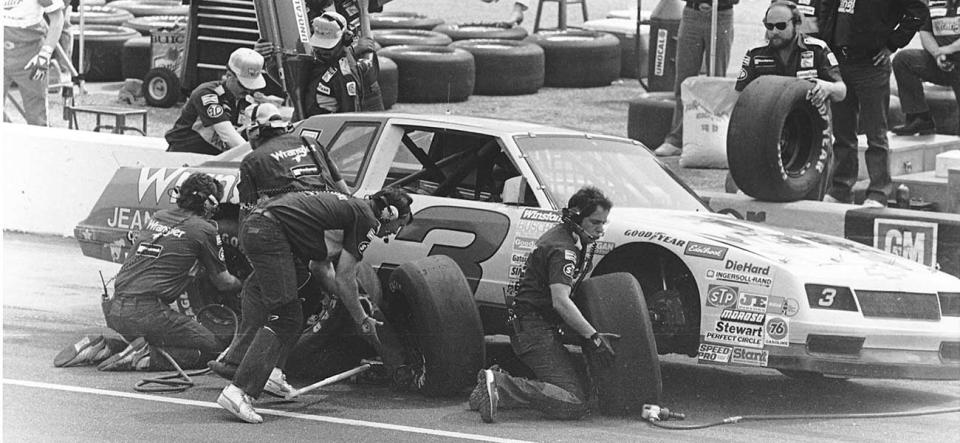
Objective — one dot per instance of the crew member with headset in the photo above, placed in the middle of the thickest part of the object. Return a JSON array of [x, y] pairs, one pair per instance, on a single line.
[[177, 246], [289, 227], [207, 122], [542, 303]]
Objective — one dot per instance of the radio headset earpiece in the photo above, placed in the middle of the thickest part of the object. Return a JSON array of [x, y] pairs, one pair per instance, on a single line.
[[389, 212], [572, 217]]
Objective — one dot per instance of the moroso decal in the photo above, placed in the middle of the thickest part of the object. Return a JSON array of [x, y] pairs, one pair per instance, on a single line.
[[913, 240], [703, 250], [714, 353], [722, 296], [756, 318]]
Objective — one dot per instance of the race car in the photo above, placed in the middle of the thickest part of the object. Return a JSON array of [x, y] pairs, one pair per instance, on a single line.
[[722, 290]]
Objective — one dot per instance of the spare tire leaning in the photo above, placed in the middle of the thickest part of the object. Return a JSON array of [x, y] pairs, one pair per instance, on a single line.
[[431, 307], [101, 15], [140, 8], [471, 31], [147, 24], [432, 74], [505, 67], [388, 82], [103, 48], [778, 143], [135, 61], [579, 58], [394, 37], [614, 303], [403, 20]]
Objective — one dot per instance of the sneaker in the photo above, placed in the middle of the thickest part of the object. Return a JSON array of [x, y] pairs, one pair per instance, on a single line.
[[83, 352], [239, 404], [921, 126], [873, 204], [667, 150], [475, 395], [223, 369], [487, 396], [129, 359], [277, 384]]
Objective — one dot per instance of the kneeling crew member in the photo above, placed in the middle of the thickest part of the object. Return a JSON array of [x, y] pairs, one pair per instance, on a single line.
[[290, 227], [207, 122], [542, 303], [178, 245]]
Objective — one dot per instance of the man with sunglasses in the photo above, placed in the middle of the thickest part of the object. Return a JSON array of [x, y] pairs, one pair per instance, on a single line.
[[863, 34], [207, 122]]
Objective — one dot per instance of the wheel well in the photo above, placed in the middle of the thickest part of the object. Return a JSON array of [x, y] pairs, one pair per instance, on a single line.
[[665, 280]]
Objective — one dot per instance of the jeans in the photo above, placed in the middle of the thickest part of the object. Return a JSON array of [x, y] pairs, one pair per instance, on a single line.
[[868, 93], [558, 391], [186, 340], [20, 47], [693, 48], [912, 67]]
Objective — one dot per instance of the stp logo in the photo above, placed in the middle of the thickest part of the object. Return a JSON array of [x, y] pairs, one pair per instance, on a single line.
[[721, 296]]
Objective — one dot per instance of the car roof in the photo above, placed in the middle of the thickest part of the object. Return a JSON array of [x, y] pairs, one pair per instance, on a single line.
[[502, 126]]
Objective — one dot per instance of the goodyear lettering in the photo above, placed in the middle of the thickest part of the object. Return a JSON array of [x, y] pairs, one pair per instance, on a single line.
[[127, 218], [296, 154], [729, 328], [752, 357], [705, 251], [912, 240], [719, 296], [540, 215], [657, 236], [527, 244], [741, 316], [751, 268]]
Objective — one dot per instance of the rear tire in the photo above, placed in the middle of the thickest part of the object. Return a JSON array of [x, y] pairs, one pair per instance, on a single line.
[[431, 307], [161, 88], [614, 303]]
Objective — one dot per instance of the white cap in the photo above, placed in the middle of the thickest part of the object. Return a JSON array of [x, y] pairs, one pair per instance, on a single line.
[[327, 30], [266, 114], [247, 64]]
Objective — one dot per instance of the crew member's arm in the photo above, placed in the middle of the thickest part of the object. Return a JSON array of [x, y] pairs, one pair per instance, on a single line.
[[39, 63], [225, 281], [347, 289], [211, 258], [829, 84], [571, 315], [365, 18], [228, 134], [54, 29]]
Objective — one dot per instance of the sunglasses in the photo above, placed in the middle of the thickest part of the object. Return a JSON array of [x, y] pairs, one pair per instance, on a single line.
[[779, 25]]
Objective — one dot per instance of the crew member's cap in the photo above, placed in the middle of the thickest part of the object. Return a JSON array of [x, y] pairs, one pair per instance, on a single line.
[[247, 64], [327, 30], [267, 114]]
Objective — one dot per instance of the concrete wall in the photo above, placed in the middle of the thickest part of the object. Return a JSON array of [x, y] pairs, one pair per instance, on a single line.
[[53, 176]]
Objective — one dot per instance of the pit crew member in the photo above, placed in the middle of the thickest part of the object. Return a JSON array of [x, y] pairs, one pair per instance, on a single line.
[[542, 303], [290, 227], [177, 246], [28, 44], [207, 122]]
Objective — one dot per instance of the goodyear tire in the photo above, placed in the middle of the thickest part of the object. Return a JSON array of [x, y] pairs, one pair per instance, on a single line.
[[136, 57], [148, 23], [104, 46], [403, 20], [614, 303], [650, 116], [101, 15], [578, 58], [431, 307], [161, 87], [505, 67], [472, 31], [394, 37], [432, 74], [388, 82], [140, 8], [778, 144]]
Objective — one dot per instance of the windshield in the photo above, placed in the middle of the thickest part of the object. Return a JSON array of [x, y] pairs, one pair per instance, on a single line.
[[625, 172]]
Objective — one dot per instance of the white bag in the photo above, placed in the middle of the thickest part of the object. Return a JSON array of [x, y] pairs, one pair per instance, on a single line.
[[707, 103]]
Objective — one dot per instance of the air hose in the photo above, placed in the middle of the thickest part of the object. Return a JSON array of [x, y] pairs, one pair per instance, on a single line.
[[653, 420], [180, 381]]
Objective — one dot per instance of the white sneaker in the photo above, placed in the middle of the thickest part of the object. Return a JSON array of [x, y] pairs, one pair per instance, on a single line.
[[873, 204], [277, 384], [667, 150], [239, 404]]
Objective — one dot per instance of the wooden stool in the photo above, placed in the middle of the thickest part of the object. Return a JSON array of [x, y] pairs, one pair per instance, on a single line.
[[119, 117], [561, 12]]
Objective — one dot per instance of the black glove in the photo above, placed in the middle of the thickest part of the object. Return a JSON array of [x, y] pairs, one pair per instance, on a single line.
[[601, 347]]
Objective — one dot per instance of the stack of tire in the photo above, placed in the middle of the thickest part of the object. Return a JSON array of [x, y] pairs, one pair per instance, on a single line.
[[505, 64], [579, 58]]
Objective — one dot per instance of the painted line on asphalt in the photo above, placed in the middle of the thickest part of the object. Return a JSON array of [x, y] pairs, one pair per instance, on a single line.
[[262, 411]]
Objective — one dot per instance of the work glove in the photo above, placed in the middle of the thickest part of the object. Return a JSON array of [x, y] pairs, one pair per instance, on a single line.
[[368, 330], [601, 347], [364, 45], [263, 48], [39, 63]]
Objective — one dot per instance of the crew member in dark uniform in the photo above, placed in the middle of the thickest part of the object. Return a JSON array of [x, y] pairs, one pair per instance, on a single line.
[[207, 122], [290, 227], [176, 246], [542, 303]]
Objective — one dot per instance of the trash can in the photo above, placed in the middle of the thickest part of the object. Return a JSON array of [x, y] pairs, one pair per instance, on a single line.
[[662, 58]]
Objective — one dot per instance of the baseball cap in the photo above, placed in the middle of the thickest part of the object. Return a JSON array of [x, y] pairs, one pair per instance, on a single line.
[[247, 64], [265, 114], [327, 30]]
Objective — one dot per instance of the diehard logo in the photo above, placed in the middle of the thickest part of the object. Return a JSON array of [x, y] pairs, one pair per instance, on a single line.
[[720, 296], [912, 240], [748, 267]]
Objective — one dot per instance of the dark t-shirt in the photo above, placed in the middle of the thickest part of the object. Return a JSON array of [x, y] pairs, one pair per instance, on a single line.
[[209, 104], [282, 164], [305, 216], [554, 260], [810, 58], [944, 24], [169, 253]]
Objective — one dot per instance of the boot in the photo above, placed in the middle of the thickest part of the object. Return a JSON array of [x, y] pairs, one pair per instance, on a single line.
[[920, 124]]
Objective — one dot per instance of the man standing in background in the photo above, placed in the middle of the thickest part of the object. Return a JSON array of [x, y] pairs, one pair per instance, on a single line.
[[28, 44]]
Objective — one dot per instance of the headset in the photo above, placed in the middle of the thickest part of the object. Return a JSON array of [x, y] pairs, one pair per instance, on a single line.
[[389, 212], [572, 217]]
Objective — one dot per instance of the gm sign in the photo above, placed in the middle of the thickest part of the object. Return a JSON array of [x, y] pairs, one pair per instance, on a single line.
[[913, 240]]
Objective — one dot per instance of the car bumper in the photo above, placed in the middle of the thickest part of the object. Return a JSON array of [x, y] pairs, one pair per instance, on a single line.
[[941, 364]]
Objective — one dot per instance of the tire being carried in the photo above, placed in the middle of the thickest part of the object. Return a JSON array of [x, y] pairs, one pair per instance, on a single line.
[[614, 303], [505, 67], [432, 74], [431, 307], [778, 143]]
